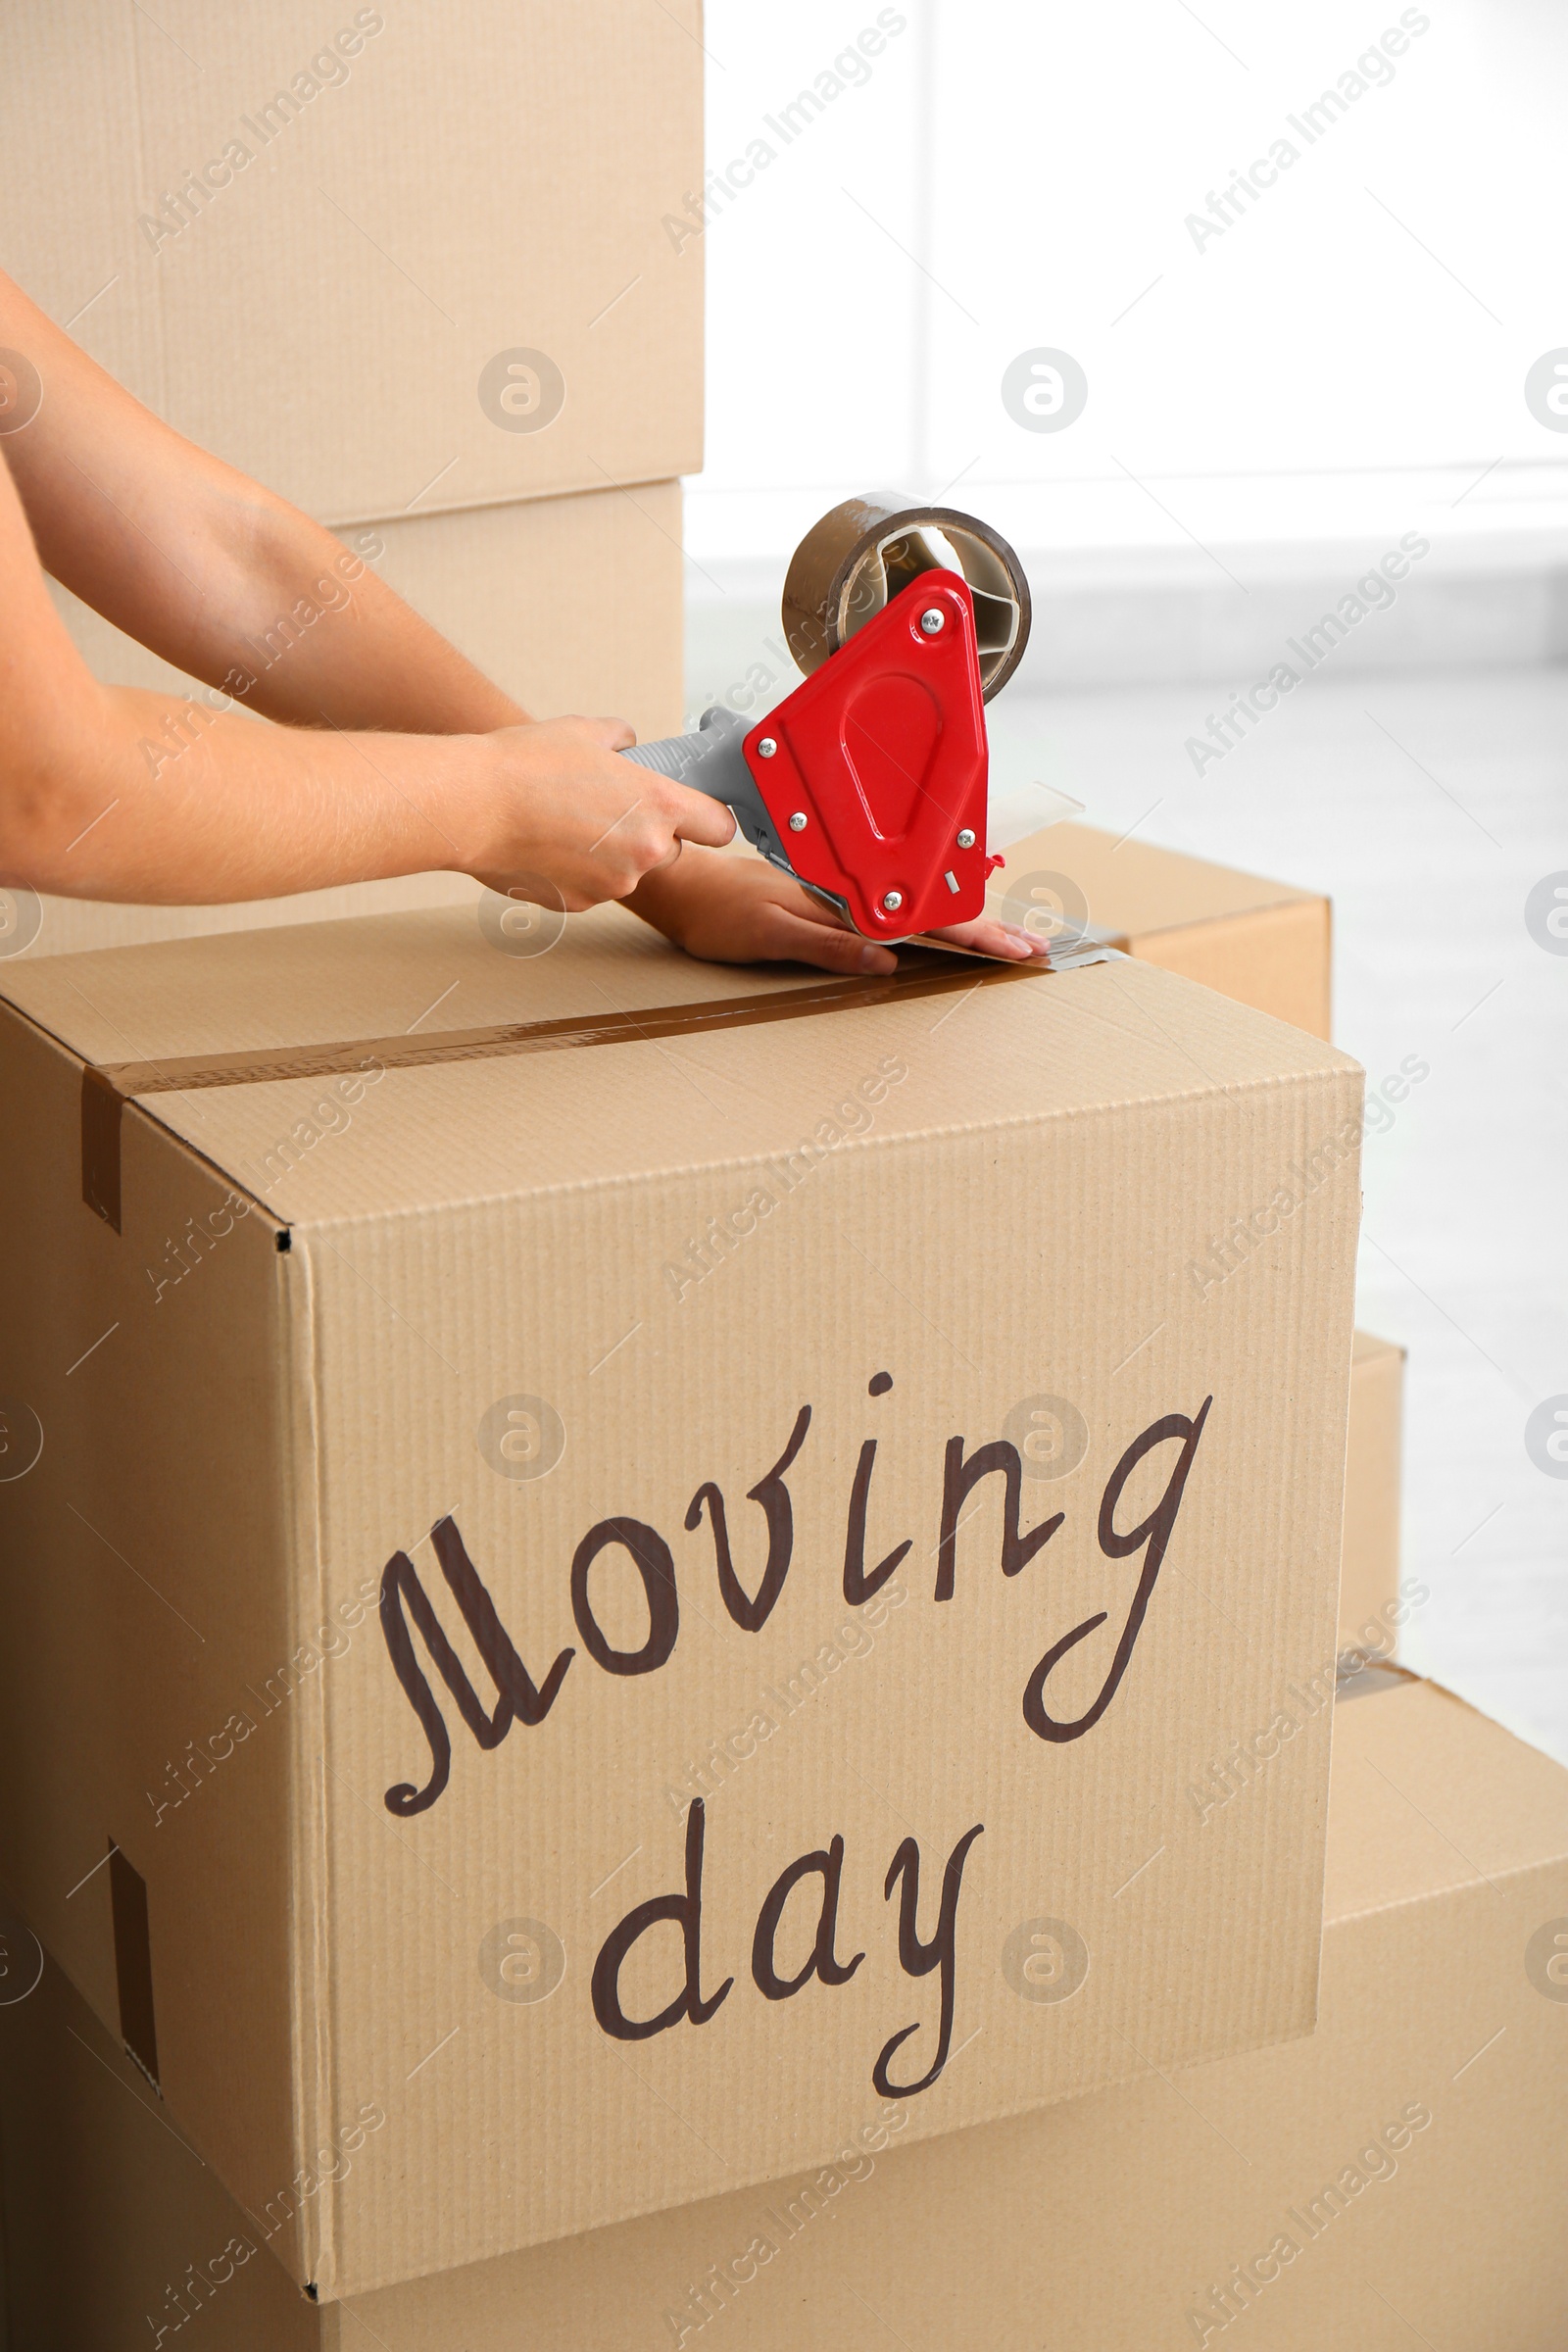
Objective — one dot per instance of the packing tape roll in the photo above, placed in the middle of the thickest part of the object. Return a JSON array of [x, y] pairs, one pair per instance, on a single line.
[[849, 564]]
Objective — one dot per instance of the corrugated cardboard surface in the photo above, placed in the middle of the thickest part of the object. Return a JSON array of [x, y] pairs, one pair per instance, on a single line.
[[1265, 943], [570, 604], [1372, 1601], [1004, 1192], [451, 190], [1106, 2221]]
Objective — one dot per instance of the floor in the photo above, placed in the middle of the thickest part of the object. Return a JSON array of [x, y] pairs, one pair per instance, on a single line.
[[1429, 805]]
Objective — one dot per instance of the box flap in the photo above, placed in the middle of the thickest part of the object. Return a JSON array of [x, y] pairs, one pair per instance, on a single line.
[[1427, 1794]]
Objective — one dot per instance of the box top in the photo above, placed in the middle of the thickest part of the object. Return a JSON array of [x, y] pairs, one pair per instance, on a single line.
[[446, 295], [1135, 889], [1428, 1796], [605, 1057]]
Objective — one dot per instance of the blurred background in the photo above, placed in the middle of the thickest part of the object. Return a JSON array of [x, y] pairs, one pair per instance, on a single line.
[[1008, 262]]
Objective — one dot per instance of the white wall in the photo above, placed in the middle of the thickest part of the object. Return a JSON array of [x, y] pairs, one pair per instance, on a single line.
[[1348, 356]]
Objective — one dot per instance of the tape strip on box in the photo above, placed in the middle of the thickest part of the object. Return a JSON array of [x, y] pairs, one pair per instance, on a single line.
[[106, 1087]]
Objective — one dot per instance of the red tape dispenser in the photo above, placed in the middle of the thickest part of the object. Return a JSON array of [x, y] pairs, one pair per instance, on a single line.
[[874, 772], [869, 783]]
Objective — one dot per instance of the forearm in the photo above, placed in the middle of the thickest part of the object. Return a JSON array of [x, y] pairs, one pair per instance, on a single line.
[[155, 802], [302, 630], [394, 755], [255, 598], [221, 576]]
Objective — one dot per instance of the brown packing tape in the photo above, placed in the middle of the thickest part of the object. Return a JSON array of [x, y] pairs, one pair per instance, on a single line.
[[106, 1087], [263, 1065], [1070, 944], [101, 1105], [134, 1962], [857, 559]]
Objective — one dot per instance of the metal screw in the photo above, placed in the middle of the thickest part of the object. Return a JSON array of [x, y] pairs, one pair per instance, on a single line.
[[766, 748], [966, 839], [933, 620], [893, 901], [798, 821]]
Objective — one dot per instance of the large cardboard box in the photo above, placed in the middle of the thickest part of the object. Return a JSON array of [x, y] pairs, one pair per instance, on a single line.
[[1264, 943], [1397, 2178], [572, 603], [853, 1528], [378, 258], [1374, 1599]]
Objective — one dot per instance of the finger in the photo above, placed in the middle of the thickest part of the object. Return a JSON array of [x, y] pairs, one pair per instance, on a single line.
[[614, 734], [698, 819], [797, 939], [1008, 943]]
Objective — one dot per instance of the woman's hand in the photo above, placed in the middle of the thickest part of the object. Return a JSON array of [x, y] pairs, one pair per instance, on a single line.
[[569, 824], [737, 910]]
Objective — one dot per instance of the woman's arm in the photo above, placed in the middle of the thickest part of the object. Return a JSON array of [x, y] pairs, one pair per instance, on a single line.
[[391, 754], [394, 755], [204, 566]]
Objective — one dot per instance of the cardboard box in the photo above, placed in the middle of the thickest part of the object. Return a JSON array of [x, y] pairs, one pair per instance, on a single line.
[[1264, 943], [572, 603], [1409, 2152], [316, 242], [449, 304], [1374, 1601], [694, 1313]]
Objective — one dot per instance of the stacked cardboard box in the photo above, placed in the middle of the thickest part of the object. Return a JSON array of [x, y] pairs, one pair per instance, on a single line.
[[463, 343], [1339, 2189], [1375, 1600], [1264, 943], [285, 1433], [386, 1246], [845, 1507]]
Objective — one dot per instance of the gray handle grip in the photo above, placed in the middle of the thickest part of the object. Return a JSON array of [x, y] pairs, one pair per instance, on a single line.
[[708, 762], [712, 763], [673, 755]]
